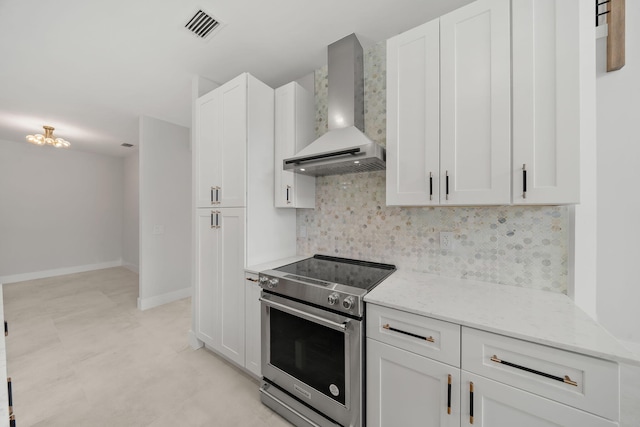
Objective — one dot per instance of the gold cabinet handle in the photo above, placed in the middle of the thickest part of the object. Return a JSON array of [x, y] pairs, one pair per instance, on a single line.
[[565, 380], [524, 181], [430, 185], [446, 185], [470, 402], [389, 328], [449, 395], [10, 396]]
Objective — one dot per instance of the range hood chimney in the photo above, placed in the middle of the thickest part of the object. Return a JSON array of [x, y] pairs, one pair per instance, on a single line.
[[344, 148]]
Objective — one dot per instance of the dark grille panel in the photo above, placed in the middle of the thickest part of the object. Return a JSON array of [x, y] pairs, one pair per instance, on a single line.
[[202, 24]]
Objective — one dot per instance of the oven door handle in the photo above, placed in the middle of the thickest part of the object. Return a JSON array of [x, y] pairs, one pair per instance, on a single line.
[[308, 316]]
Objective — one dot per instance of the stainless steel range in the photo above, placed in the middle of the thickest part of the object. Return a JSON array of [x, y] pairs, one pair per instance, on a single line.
[[312, 315]]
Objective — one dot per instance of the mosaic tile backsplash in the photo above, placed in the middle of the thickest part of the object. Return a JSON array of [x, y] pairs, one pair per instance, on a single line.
[[511, 245]]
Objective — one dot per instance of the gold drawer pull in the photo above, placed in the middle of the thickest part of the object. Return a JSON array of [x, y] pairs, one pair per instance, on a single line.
[[389, 328], [251, 279], [449, 395], [565, 380], [471, 391]]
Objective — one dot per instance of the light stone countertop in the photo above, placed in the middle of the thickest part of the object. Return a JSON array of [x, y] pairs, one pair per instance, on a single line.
[[274, 264], [539, 316]]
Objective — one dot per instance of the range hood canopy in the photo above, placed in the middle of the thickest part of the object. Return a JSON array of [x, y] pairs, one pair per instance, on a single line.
[[344, 148]]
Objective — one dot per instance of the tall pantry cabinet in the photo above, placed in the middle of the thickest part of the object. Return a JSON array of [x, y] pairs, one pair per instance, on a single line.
[[236, 223]]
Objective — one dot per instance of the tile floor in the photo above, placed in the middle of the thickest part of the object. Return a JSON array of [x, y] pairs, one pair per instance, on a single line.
[[81, 354]]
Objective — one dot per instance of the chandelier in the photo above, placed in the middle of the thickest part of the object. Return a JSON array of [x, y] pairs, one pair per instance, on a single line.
[[48, 139]]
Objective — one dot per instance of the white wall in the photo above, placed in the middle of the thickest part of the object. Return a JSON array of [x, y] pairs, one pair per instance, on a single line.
[[131, 214], [583, 217], [618, 96], [165, 213], [60, 211]]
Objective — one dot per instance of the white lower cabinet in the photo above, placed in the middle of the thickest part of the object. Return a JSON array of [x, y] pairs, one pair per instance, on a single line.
[[499, 405], [413, 373], [405, 389], [219, 268], [252, 325], [417, 375]]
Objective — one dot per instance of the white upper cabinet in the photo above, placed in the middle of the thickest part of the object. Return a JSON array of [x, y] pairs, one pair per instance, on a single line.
[[221, 145], [294, 130], [546, 102], [413, 116], [475, 104], [448, 109], [205, 155]]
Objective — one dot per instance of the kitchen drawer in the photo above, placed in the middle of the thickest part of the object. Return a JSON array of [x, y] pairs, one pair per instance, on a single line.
[[577, 380], [428, 337]]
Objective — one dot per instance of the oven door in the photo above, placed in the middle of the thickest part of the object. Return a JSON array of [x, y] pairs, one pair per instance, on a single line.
[[314, 355]]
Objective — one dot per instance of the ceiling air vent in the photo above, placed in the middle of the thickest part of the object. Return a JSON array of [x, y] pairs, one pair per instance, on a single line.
[[202, 24], [126, 144]]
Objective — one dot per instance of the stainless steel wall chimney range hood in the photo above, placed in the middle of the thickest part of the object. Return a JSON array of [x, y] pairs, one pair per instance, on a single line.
[[344, 148]]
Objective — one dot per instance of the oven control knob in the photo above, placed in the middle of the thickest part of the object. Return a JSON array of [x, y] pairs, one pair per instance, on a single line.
[[264, 280], [272, 283], [333, 299], [348, 303]]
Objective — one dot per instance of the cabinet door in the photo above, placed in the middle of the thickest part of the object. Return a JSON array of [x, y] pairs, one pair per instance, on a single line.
[[499, 405], [206, 155], [252, 326], [207, 275], [230, 292], [546, 102], [232, 140], [413, 116], [294, 115], [404, 389], [475, 70]]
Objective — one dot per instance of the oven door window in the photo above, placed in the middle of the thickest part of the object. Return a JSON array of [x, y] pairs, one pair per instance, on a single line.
[[312, 353]]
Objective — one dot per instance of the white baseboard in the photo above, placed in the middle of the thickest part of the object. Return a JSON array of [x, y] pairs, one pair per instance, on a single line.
[[147, 303], [131, 267], [194, 342], [58, 272]]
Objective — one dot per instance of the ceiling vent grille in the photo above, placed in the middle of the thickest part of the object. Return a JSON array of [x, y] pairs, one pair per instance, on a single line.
[[202, 24]]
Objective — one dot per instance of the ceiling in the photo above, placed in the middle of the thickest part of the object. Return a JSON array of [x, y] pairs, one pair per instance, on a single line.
[[90, 69]]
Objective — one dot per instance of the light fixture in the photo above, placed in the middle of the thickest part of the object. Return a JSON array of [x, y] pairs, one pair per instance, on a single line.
[[48, 139]]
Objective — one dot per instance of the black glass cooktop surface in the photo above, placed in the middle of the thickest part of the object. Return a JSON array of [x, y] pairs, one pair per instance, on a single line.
[[348, 272]]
